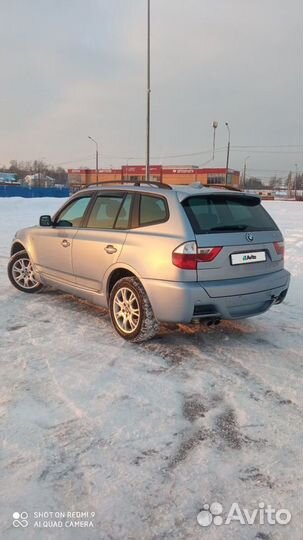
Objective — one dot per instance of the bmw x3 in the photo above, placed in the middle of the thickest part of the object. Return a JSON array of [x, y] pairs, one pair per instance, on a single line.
[[154, 253]]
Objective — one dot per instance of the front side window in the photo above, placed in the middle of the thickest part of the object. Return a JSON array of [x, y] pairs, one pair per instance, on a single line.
[[152, 210], [110, 211], [71, 215]]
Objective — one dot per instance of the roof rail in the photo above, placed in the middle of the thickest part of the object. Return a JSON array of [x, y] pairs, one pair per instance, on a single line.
[[160, 185]]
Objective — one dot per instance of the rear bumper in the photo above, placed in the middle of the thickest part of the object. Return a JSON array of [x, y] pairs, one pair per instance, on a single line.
[[224, 299]]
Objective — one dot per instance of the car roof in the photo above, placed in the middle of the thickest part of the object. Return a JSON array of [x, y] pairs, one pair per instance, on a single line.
[[123, 186], [158, 188]]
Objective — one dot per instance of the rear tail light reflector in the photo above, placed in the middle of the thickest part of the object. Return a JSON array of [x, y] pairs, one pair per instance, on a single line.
[[279, 247], [208, 254]]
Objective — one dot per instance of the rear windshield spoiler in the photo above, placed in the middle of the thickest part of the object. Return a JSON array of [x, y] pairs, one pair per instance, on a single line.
[[255, 199]]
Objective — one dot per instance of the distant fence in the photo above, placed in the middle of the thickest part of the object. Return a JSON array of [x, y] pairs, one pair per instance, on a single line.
[[21, 191]]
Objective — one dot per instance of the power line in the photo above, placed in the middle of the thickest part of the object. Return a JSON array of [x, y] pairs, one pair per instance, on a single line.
[[296, 152], [168, 156], [90, 157], [269, 146], [239, 148], [221, 149], [271, 170]]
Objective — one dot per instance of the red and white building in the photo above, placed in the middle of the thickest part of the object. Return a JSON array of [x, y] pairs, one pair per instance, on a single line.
[[169, 175]]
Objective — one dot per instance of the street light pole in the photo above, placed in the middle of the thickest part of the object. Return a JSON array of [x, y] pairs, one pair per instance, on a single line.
[[147, 168], [215, 125], [127, 166], [97, 159], [228, 150], [244, 170]]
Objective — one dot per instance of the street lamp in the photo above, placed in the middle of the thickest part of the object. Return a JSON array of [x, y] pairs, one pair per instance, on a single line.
[[228, 150], [97, 157], [127, 160], [244, 170], [147, 167], [214, 125]]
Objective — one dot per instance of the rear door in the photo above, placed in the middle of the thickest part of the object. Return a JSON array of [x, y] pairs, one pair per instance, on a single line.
[[98, 244], [248, 241]]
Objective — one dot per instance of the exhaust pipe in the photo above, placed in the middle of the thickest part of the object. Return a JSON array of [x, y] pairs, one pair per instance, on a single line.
[[212, 322]]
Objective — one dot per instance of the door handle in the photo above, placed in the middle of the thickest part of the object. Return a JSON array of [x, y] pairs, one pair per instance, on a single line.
[[110, 249], [65, 243]]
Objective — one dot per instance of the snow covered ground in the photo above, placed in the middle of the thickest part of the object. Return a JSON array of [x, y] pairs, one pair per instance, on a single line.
[[145, 435]]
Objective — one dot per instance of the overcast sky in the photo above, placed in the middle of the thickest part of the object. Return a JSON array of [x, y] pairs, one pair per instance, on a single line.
[[73, 68]]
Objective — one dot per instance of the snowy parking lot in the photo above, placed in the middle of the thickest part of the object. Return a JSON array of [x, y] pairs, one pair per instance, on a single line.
[[140, 437]]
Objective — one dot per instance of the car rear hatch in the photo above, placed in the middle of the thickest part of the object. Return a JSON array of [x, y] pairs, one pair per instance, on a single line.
[[240, 248]]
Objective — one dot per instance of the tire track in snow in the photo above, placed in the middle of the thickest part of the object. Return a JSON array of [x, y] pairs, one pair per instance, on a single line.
[[79, 413], [218, 362]]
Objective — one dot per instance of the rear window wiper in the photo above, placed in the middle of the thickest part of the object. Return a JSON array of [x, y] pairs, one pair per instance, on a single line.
[[229, 228]]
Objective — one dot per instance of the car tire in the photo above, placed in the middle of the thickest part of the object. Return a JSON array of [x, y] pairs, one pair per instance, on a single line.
[[130, 310], [20, 273]]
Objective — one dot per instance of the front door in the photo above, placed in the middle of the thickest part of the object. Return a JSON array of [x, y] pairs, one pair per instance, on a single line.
[[53, 245]]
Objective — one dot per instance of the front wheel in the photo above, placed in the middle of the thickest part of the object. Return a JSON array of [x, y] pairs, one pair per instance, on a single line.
[[21, 274], [130, 310]]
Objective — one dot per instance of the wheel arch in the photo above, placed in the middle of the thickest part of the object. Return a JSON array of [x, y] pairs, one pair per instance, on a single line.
[[146, 325], [16, 247], [118, 273]]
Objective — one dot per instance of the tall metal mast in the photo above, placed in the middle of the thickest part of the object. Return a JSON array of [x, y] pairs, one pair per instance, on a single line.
[[147, 168]]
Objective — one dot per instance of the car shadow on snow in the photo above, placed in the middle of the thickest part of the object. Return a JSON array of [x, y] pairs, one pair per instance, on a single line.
[[168, 332], [172, 339]]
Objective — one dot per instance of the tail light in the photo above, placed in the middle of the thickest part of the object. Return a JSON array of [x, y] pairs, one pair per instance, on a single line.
[[208, 254], [279, 247], [188, 255]]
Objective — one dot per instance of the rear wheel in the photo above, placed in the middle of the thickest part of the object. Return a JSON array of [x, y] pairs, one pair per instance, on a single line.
[[21, 274], [131, 313]]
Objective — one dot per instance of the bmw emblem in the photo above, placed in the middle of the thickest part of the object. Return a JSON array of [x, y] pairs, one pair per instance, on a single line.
[[249, 237]]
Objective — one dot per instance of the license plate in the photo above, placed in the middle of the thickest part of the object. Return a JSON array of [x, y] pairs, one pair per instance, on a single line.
[[248, 258]]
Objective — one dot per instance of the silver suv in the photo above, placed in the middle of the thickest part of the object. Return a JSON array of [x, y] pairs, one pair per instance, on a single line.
[[152, 253]]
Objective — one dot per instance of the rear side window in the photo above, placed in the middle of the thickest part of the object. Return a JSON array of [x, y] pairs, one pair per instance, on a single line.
[[215, 213], [123, 217], [152, 210], [111, 212], [105, 212]]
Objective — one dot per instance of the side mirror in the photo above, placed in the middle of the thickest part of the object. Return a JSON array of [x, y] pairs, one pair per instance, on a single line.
[[45, 221]]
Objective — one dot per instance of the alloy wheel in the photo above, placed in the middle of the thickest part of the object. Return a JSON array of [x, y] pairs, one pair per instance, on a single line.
[[126, 310], [23, 274]]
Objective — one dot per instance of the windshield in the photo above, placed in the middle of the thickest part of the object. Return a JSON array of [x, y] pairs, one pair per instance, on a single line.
[[228, 213]]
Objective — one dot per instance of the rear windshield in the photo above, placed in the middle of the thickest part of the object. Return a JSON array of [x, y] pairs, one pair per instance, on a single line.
[[228, 213]]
